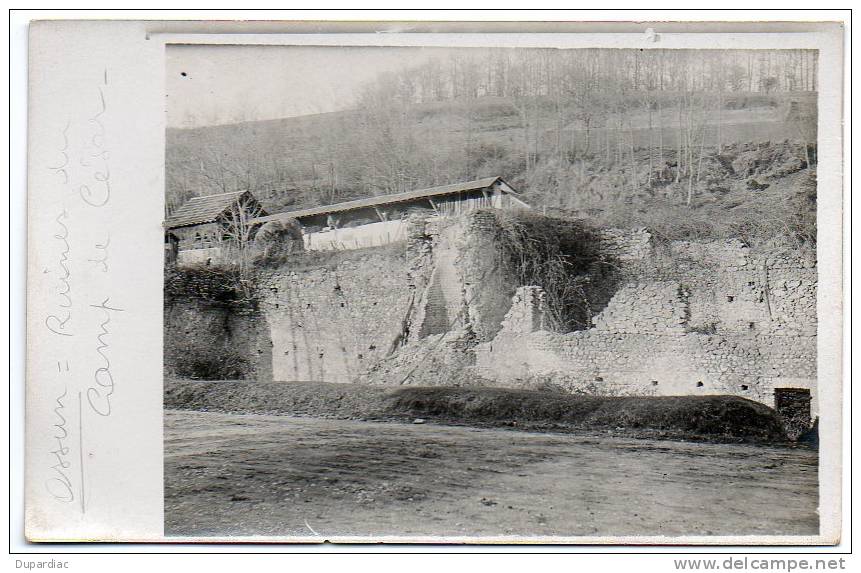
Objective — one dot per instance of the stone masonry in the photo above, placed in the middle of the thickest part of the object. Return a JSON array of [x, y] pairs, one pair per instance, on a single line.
[[681, 318], [714, 319]]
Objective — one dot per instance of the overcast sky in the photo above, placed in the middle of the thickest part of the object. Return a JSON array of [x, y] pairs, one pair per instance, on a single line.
[[208, 85]]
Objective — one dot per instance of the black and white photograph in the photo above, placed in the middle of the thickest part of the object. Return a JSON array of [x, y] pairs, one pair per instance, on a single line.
[[490, 294], [574, 283]]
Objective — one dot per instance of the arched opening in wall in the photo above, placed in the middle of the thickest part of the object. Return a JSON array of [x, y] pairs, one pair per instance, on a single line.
[[699, 384], [744, 387], [654, 382], [730, 298]]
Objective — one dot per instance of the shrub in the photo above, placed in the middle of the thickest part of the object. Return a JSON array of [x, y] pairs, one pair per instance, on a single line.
[[560, 255], [209, 284], [218, 364]]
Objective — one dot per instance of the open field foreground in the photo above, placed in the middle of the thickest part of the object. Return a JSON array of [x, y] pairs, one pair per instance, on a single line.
[[265, 475]]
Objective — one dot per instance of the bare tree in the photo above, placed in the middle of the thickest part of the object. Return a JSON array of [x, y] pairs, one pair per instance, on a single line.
[[238, 228]]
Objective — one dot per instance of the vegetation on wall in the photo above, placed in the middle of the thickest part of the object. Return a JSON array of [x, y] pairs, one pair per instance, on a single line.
[[206, 352], [211, 364], [218, 285], [563, 256]]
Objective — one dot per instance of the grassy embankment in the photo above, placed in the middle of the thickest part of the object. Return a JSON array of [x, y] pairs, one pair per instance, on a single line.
[[683, 417]]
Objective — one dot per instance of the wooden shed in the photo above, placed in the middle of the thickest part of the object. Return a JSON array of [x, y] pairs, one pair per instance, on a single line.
[[375, 221], [197, 230]]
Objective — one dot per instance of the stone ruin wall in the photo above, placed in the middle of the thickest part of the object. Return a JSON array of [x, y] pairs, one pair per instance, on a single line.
[[685, 318], [336, 322], [460, 294], [457, 277], [691, 318], [332, 323]]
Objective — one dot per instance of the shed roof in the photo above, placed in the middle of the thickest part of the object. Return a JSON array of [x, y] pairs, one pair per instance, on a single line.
[[389, 199], [203, 209]]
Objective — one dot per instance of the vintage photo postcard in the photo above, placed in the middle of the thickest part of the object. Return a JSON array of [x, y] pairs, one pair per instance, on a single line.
[[472, 287]]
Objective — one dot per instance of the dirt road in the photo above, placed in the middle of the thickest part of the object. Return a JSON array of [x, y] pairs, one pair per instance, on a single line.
[[228, 474]]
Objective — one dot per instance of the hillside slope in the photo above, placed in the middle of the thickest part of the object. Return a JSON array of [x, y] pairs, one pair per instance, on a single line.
[[651, 171]]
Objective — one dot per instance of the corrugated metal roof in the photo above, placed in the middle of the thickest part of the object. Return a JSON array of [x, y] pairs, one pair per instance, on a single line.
[[385, 199], [203, 209]]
